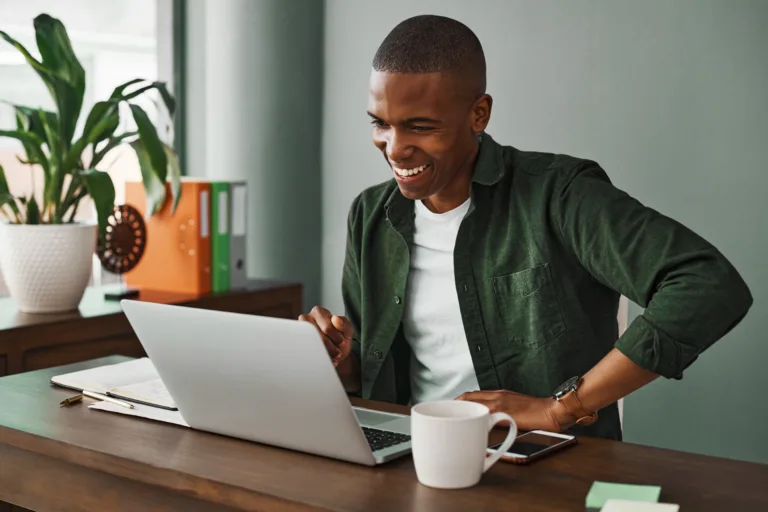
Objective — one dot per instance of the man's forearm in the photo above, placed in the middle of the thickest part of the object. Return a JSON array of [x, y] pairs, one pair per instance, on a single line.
[[349, 373], [614, 377]]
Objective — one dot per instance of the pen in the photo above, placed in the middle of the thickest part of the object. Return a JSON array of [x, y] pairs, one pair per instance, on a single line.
[[99, 396], [70, 400]]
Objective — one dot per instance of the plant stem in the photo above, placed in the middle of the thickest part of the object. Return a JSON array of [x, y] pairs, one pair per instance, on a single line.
[[74, 211], [76, 203], [72, 202], [17, 212], [32, 179], [7, 215], [72, 189]]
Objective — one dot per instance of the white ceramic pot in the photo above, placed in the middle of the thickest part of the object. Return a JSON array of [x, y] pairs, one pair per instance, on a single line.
[[47, 267]]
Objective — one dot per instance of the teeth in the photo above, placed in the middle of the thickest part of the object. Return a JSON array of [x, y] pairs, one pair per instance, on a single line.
[[409, 172]]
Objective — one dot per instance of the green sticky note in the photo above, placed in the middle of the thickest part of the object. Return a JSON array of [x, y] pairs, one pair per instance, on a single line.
[[604, 491]]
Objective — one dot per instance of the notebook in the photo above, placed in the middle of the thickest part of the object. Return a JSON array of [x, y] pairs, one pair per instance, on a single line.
[[601, 492], [615, 505], [134, 381], [143, 411]]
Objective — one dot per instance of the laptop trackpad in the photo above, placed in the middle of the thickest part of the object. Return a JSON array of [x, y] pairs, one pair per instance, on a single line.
[[383, 420]]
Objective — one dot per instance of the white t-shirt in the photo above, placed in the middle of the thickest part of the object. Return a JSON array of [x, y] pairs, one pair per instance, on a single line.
[[441, 364]]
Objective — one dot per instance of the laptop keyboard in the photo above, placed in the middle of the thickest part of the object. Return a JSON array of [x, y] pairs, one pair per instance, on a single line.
[[380, 439]]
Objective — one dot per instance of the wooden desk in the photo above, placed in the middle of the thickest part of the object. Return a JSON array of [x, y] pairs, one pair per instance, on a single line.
[[99, 327], [74, 458]]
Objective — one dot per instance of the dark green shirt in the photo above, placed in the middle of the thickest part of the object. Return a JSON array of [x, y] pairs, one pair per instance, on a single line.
[[541, 259]]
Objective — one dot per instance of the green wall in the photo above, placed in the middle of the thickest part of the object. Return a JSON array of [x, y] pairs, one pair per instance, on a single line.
[[254, 97]]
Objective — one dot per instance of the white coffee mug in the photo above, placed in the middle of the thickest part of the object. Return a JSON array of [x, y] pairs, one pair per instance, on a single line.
[[449, 439]]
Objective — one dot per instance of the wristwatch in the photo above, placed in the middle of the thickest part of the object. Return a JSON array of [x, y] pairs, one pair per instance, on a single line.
[[566, 395]]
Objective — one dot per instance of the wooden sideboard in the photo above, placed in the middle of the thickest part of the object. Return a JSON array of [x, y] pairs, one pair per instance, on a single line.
[[99, 328]]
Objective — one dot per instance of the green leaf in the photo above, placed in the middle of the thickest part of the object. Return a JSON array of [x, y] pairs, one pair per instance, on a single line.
[[102, 191], [60, 59], [101, 126], [153, 187], [3, 182], [174, 175], [117, 94], [151, 142], [5, 194], [51, 135], [33, 212], [65, 80], [55, 174], [56, 49], [36, 65], [38, 121], [8, 199], [23, 136], [60, 71], [102, 122], [32, 144], [111, 144], [170, 102], [31, 119]]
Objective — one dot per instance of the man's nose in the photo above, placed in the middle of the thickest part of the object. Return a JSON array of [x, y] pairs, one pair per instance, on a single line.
[[398, 149]]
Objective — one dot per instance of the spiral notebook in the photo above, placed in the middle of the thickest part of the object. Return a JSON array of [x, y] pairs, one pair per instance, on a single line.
[[134, 381]]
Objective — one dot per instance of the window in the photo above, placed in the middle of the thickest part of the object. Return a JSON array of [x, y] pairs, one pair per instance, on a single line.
[[115, 41]]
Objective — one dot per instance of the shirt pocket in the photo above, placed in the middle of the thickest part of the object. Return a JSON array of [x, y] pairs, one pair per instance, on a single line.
[[528, 306]]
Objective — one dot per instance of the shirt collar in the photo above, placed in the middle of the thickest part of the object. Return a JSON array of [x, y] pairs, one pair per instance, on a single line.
[[489, 168]]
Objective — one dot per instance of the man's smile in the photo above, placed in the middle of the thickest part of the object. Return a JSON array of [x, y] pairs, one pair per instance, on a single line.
[[409, 173]]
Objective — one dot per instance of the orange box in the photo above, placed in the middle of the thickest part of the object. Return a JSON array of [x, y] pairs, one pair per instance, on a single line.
[[177, 256]]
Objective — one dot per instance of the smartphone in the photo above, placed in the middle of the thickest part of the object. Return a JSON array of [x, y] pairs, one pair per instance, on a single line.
[[534, 445]]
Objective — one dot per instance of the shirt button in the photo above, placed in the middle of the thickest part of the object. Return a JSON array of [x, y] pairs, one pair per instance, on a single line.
[[397, 299], [465, 288], [378, 354], [479, 348]]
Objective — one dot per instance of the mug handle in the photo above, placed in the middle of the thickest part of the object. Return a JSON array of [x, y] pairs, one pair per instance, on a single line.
[[493, 419]]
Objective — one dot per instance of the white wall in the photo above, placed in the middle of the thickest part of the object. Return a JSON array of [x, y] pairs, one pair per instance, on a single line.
[[669, 96]]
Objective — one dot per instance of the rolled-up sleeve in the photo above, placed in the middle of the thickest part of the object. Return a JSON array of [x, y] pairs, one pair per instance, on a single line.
[[691, 293]]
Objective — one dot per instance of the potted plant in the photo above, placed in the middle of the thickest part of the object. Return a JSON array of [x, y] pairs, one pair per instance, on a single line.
[[45, 255]]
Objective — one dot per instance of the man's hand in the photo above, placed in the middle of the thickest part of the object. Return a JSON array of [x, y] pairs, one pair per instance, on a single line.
[[530, 413], [336, 332]]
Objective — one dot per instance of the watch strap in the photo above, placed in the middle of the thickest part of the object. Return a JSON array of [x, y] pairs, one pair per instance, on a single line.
[[573, 405]]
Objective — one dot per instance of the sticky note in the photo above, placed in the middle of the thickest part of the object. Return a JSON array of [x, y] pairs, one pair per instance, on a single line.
[[614, 505], [604, 491]]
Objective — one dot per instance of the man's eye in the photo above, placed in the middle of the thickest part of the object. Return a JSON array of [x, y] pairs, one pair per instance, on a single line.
[[421, 128], [378, 123]]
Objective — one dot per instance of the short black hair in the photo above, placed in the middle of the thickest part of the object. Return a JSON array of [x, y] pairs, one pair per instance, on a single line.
[[430, 43]]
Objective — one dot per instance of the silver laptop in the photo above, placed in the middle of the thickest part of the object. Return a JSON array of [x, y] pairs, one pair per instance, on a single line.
[[262, 379]]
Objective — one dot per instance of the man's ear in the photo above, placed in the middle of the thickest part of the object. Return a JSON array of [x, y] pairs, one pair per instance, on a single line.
[[481, 113]]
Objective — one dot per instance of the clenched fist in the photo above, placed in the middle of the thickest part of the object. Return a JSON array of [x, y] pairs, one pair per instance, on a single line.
[[336, 332]]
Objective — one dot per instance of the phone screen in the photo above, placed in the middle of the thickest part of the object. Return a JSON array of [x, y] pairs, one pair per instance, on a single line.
[[529, 444]]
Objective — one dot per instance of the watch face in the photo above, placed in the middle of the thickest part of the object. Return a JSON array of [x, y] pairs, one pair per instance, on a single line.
[[566, 386]]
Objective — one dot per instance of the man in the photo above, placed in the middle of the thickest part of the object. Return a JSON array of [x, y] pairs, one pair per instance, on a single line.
[[482, 272]]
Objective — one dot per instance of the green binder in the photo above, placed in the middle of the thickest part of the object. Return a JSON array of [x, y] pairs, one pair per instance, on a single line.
[[220, 221]]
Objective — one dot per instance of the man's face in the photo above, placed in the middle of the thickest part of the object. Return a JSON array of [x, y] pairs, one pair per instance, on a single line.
[[425, 124]]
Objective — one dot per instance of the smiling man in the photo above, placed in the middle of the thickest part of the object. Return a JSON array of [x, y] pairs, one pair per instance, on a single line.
[[487, 273]]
